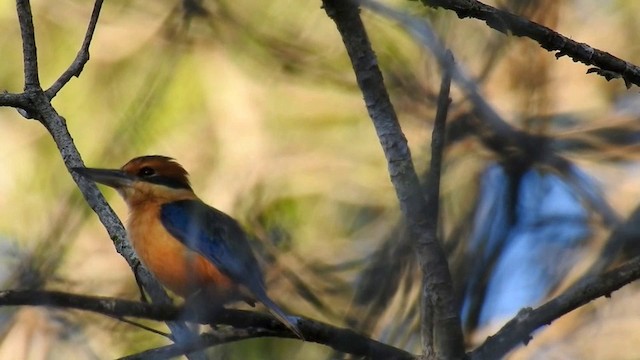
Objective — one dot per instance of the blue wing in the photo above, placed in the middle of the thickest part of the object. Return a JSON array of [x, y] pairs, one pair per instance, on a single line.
[[216, 236], [220, 239]]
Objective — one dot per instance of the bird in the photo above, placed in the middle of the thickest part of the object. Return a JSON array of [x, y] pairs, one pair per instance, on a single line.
[[193, 249]]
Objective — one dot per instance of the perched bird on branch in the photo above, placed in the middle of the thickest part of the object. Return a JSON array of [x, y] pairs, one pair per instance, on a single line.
[[192, 248]]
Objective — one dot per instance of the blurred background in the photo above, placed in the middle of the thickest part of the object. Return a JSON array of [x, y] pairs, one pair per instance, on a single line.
[[258, 101]]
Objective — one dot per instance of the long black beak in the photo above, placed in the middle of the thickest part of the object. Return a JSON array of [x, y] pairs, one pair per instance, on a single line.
[[115, 178]]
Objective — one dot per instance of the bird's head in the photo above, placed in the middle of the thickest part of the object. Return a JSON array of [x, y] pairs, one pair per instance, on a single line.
[[145, 178]]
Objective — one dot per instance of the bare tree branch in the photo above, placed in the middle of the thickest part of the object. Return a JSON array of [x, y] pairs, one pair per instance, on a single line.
[[30, 56], [438, 140], [501, 137], [605, 64], [14, 100], [56, 125], [39, 107], [518, 330], [430, 321], [81, 58], [258, 324], [448, 342]]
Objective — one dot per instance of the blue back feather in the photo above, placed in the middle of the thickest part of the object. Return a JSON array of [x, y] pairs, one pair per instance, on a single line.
[[220, 239], [217, 237]]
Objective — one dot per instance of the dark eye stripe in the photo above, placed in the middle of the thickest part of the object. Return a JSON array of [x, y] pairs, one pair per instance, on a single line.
[[169, 181]]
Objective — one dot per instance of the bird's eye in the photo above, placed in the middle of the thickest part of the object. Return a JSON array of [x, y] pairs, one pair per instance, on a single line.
[[146, 172]]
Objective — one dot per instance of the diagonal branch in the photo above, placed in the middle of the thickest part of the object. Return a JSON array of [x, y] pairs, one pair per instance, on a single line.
[[520, 328], [448, 342], [81, 58], [605, 64], [40, 108], [56, 125], [257, 324]]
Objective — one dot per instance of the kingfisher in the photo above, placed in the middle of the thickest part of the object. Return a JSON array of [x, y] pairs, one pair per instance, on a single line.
[[192, 248]]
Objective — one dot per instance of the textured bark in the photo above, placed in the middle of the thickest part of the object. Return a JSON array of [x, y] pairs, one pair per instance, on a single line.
[[444, 336], [605, 64], [252, 324]]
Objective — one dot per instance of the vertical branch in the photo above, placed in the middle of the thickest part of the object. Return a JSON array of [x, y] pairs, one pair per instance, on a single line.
[[438, 139], [429, 318], [447, 334], [29, 52]]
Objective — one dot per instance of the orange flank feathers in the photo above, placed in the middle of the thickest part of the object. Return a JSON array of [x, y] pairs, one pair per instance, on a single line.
[[178, 268]]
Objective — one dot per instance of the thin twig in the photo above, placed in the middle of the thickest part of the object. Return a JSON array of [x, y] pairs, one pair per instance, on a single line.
[[30, 56], [202, 342], [144, 327], [341, 339], [81, 58], [448, 340], [519, 329], [605, 64], [438, 139], [430, 318]]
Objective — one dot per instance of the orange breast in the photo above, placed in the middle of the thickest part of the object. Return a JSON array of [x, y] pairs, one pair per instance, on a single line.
[[173, 264]]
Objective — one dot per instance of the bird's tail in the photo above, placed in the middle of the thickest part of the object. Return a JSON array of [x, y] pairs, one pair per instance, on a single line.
[[288, 321]]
